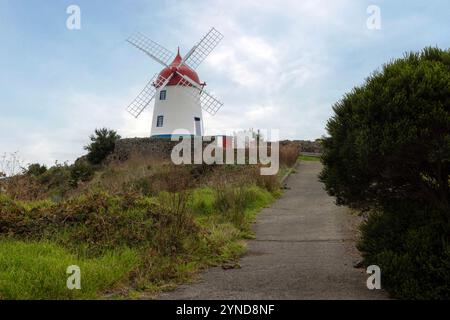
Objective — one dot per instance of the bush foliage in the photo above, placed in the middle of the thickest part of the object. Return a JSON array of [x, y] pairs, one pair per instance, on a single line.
[[102, 144], [388, 150], [410, 243], [36, 169]]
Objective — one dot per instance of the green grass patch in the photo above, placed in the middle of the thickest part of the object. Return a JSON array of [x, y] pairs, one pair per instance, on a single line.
[[37, 270], [309, 158], [203, 201], [170, 238]]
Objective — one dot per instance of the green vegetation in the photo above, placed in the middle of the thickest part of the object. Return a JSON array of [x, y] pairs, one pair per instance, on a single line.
[[134, 227], [142, 243], [102, 144], [388, 154], [36, 169], [81, 171], [309, 158], [37, 270], [410, 244]]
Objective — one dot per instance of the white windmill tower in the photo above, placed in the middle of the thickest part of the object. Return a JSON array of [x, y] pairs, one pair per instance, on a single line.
[[180, 96]]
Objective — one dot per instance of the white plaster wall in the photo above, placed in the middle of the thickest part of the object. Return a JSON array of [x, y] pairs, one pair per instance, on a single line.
[[181, 106]]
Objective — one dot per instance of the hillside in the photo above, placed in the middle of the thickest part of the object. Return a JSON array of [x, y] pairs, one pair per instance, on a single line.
[[150, 223]]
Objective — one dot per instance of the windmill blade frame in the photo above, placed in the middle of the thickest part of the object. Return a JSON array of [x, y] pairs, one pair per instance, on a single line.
[[208, 102], [203, 48], [156, 51], [144, 98]]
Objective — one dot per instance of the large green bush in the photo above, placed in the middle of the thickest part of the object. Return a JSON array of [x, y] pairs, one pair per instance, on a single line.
[[410, 242], [389, 145], [102, 144], [390, 138]]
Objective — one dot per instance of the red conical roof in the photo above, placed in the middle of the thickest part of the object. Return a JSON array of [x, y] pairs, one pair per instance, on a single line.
[[184, 70]]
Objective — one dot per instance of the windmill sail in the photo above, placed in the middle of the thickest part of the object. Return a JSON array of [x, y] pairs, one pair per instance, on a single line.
[[144, 98], [204, 48], [208, 102], [179, 68], [151, 48]]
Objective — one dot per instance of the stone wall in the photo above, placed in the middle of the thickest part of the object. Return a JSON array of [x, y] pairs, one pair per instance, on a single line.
[[159, 148], [146, 147]]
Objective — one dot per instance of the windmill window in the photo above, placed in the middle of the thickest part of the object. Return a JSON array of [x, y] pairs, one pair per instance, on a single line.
[[162, 95], [160, 121]]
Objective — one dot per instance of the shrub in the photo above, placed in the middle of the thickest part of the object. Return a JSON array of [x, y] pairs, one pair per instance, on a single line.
[[96, 222], [20, 187], [411, 244], [55, 182], [81, 171], [36, 169], [389, 144], [390, 138], [102, 144]]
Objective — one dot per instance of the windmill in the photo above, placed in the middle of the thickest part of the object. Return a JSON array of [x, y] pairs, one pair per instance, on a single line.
[[180, 96]]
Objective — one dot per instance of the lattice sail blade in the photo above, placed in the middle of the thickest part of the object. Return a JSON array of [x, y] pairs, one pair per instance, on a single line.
[[208, 102], [151, 48], [144, 98], [204, 48]]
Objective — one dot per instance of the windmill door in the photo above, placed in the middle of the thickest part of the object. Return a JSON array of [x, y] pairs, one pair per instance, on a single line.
[[198, 127]]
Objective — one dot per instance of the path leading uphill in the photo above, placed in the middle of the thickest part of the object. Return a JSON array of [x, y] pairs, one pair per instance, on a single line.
[[304, 249]]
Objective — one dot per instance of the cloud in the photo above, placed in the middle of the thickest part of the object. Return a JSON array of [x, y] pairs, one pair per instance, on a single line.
[[262, 70], [263, 76], [79, 114], [281, 65]]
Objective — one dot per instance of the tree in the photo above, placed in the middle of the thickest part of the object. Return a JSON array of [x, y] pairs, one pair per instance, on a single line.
[[388, 151], [102, 144], [390, 138]]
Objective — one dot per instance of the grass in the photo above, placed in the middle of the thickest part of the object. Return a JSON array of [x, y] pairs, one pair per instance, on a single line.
[[309, 158], [229, 214], [37, 270], [223, 225], [100, 234], [135, 228]]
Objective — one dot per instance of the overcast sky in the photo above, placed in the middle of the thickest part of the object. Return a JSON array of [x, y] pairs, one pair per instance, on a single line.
[[281, 65]]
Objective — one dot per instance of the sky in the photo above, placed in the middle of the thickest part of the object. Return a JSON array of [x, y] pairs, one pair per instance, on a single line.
[[282, 64]]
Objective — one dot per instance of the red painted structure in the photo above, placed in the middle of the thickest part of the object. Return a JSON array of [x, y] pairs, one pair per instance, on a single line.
[[175, 66]]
